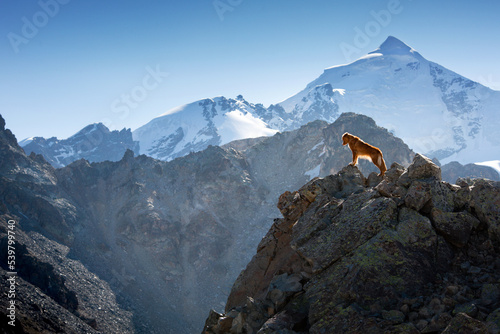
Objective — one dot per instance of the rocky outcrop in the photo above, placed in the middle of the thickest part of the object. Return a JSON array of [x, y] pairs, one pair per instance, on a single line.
[[408, 253]]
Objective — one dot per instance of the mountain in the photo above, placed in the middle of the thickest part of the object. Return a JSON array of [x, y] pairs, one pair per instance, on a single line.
[[434, 110], [195, 126], [408, 254], [94, 143], [170, 237], [452, 171]]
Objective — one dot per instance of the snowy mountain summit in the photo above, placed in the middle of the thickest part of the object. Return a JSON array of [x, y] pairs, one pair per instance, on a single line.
[[435, 111], [195, 126], [392, 45]]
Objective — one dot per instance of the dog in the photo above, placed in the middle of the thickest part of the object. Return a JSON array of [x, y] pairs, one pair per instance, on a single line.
[[363, 150]]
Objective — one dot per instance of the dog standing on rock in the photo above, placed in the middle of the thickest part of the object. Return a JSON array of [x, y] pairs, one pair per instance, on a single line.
[[360, 149]]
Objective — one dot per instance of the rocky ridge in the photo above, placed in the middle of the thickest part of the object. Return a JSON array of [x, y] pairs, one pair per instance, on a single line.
[[53, 293], [406, 253]]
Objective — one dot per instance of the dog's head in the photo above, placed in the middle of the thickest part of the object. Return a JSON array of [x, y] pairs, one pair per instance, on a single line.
[[346, 137]]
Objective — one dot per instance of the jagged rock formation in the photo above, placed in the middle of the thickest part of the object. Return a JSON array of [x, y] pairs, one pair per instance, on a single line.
[[94, 143], [408, 253]]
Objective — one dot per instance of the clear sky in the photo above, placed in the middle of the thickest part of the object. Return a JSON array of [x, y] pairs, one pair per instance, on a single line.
[[67, 63]]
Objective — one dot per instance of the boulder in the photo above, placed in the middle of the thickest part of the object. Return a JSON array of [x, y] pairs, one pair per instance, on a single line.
[[493, 321], [456, 227], [485, 200], [362, 217], [423, 168], [418, 195]]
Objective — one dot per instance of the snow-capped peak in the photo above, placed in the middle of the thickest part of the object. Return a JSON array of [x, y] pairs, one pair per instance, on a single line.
[[392, 46], [194, 126], [90, 129], [434, 110]]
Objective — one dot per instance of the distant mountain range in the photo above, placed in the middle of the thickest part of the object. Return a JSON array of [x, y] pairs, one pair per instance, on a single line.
[[435, 111], [94, 143]]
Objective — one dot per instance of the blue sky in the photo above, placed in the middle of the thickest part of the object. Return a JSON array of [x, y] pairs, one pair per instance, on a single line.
[[68, 63]]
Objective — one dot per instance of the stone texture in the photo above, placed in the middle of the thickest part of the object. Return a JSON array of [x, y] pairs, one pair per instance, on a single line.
[[418, 195], [493, 321], [456, 227], [485, 200], [423, 168], [361, 217]]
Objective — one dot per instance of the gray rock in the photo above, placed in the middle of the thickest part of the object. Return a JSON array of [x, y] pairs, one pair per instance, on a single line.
[[493, 321], [418, 195], [423, 168], [393, 316], [485, 199], [456, 227]]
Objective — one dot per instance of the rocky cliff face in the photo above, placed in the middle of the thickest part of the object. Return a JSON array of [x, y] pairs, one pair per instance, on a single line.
[[408, 253]]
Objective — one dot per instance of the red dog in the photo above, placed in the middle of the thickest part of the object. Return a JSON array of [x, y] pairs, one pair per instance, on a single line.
[[360, 149]]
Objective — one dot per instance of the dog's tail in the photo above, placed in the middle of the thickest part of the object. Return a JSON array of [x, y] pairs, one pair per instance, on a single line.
[[381, 163]]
